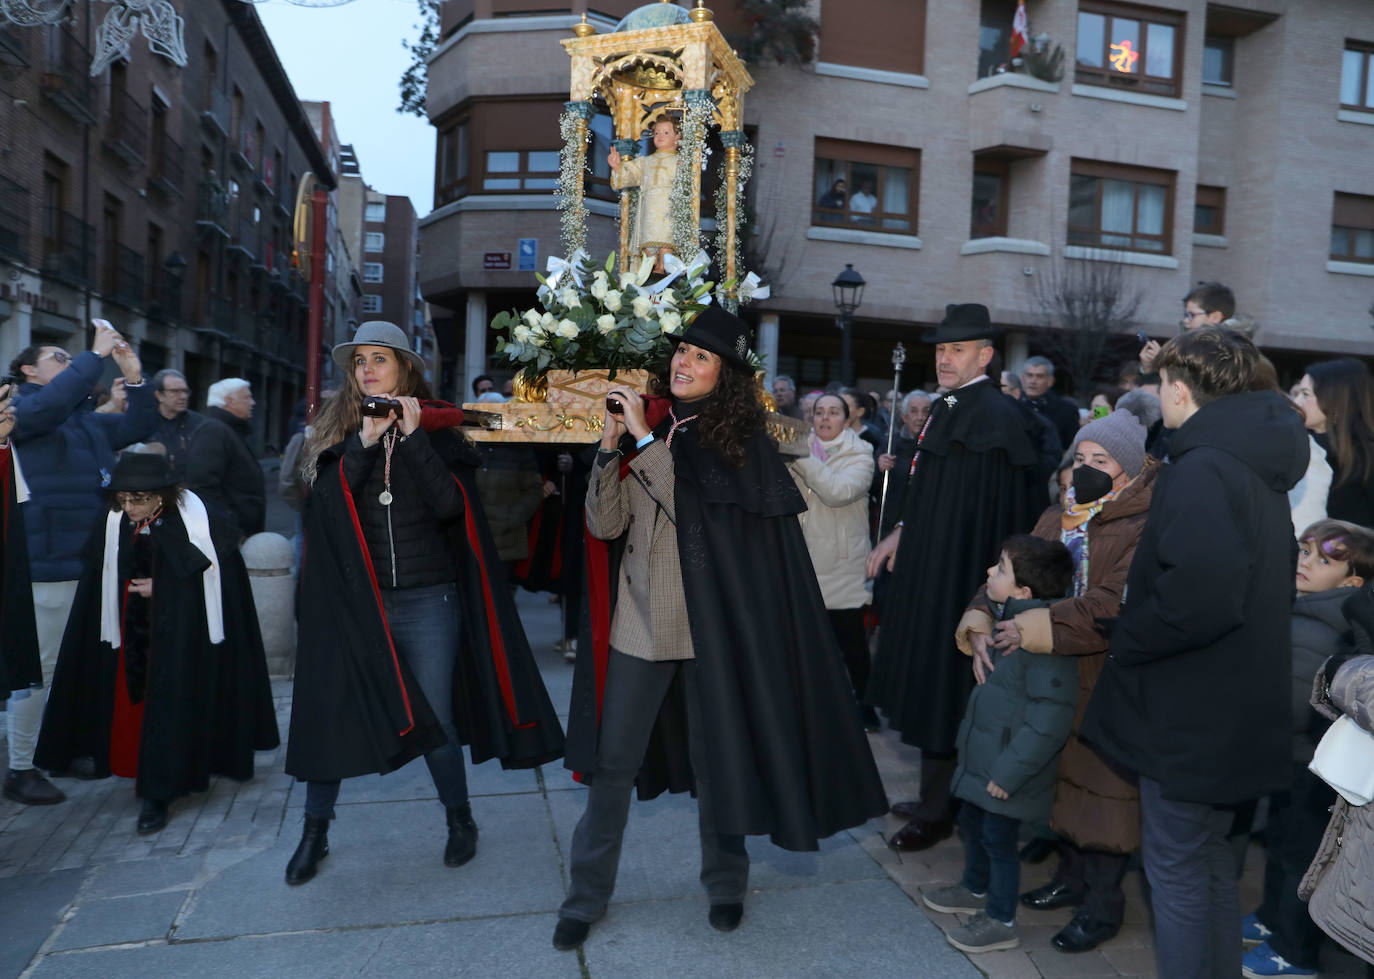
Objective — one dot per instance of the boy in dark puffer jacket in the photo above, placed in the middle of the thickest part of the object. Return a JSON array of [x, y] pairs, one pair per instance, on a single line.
[[1009, 741], [1335, 559]]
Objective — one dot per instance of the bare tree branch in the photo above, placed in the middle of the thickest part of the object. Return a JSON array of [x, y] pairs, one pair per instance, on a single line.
[[1080, 306]]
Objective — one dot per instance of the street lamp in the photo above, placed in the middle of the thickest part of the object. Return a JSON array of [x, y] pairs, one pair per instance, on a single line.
[[849, 294]]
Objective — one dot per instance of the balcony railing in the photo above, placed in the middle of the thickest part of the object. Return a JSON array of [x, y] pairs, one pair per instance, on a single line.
[[214, 114], [67, 246], [166, 171], [122, 278], [14, 220], [223, 317], [212, 208], [66, 78], [126, 130], [14, 47], [244, 238], [164, 298]]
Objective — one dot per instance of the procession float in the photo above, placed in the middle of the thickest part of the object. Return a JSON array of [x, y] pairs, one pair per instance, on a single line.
[[665, 74]]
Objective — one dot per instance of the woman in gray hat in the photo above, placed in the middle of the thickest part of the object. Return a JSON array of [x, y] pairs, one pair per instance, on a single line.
[[406, 645]]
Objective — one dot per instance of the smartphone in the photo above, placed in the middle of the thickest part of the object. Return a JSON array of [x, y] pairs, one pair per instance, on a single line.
[[1101, 411], [1140, 336], [105, 323]]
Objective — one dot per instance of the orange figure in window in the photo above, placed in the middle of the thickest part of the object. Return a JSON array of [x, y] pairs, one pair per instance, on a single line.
[[1123, 57]]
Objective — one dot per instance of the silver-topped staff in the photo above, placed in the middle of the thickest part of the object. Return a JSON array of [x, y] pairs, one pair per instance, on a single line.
[[898, 359]]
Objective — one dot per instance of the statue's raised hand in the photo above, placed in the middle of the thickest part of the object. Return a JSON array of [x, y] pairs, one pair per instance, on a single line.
[[613, 158]]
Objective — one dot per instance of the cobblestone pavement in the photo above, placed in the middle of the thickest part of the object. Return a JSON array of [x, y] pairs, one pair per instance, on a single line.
[[84, 895]]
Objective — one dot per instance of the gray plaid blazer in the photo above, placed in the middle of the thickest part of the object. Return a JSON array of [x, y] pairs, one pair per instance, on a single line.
[[650, 612]]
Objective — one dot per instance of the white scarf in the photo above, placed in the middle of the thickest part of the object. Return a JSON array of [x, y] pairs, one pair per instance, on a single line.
[[197, 523], [21, 488]]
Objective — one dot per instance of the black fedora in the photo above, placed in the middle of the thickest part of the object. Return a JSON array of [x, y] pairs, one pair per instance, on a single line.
[[722, 333], [963, 321], [140, 471]]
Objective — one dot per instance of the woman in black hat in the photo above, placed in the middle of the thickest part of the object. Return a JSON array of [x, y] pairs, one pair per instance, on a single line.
[[161, 676], [408, 642], [712, 663]]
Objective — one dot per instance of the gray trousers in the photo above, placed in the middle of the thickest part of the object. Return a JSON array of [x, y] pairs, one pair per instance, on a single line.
[[1192, 878], [635, 689]]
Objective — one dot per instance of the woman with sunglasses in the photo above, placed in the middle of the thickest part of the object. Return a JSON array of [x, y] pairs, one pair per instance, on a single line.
[[162, 676]]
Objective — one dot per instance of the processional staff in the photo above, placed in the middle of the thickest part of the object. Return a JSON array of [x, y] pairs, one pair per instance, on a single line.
[[898, 359]]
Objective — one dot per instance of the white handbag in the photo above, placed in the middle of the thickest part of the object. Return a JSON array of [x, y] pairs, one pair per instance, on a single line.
[[1345, 761]]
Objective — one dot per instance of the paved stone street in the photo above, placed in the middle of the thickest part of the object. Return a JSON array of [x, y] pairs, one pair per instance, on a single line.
[[85, 896]]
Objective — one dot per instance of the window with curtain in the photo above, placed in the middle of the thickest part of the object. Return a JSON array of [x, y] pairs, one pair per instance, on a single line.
[[1209, 211], [865, 186], [1125, 208], [1352, 228], [1135, 48], [989, 216], [1357, 76]]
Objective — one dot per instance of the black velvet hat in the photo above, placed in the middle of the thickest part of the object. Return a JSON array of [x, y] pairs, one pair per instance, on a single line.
[[722, 333], [136, 472], [963, 321]]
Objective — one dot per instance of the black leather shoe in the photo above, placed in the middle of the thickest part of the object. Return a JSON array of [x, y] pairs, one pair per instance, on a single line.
[[920, 835], [1083, 934], [28, 787], [1053, 895], [872, 723], [313, 848], [725, 917], [1038, 850], [152, 818], [462, 836], [570, 933]]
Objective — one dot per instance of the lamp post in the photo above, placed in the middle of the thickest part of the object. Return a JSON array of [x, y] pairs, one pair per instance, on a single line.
[[849, 294]]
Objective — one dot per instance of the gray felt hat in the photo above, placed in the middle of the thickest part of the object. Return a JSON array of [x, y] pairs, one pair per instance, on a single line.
[[378, 333]]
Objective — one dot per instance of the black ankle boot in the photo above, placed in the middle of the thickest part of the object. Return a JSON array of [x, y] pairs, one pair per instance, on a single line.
[[314, 847], [152, 817], [462, 836]]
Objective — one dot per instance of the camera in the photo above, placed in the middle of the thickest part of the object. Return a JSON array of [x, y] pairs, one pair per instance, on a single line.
[[377, 407], [1142, 337], [614, 406]]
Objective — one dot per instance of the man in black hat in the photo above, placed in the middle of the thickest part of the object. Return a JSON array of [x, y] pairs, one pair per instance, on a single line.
[[970, 487]]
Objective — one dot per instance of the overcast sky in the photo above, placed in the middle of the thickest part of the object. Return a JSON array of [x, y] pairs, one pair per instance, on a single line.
[[351, 57]]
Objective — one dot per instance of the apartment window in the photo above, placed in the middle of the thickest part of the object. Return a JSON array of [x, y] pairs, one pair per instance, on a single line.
[[210, 65], [1352, 228], [372, 304], [152, 257], [989, 217], [375, 212], [520, 170], [374, 241], [865, 185], [1218, 55], [236, 116], [111, 218], [1209, 211], [451, 165], [1357, 76], [157, 138], [257, 152], [372, 271], [1126, 208], [1136, 48]]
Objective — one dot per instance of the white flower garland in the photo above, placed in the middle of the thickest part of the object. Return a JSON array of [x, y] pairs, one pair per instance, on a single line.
[[682, 210], [572, 166]]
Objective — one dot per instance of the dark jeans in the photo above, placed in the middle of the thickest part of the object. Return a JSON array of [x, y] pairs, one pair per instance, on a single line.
[[635, 689], [991, 862], [425, 628], [1297, 820], [848, 624], [1193, 886], [1097, 874]]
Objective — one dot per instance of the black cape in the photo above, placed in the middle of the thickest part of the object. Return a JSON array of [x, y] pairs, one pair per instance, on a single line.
[[972, 488], [784, 742], [207, 706], [357, 709], [20, 666]]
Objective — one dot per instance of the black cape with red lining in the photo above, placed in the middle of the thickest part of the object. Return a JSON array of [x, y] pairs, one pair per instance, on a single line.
[[972, 489], [357, 709], [207, 707], [786, 748], [19, 662]]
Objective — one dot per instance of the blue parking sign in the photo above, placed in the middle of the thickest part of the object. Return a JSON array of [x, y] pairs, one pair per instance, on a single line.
[[528, 252]]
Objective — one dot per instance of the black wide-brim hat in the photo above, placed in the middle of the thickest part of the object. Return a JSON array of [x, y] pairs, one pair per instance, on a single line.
[[963, 321], [136, 472], [722, 333]]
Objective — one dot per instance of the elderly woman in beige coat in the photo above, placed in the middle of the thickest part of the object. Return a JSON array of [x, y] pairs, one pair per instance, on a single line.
[[834, 481]]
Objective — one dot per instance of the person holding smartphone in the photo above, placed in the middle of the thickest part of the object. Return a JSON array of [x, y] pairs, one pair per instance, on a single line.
[[68, 457]]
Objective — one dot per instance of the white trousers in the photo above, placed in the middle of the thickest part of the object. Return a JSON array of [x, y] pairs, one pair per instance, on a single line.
[[52, 604]]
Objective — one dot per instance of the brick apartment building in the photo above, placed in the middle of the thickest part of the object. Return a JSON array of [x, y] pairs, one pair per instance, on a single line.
[[1235, 146], [160, 198]]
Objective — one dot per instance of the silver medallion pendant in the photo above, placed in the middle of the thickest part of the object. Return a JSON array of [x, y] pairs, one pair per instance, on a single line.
[[385, 498]]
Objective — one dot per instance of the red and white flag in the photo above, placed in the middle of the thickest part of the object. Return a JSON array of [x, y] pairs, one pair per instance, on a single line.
[[1018, 28]]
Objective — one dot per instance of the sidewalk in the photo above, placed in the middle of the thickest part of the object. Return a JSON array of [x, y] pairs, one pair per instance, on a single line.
[[85, 896]]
